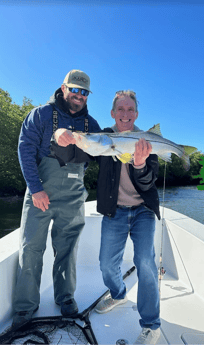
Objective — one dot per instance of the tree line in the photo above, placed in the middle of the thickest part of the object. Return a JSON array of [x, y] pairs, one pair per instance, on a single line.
[[11, 178]]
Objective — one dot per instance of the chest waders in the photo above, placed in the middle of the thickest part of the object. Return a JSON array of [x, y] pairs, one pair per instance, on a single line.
[[67, 194]]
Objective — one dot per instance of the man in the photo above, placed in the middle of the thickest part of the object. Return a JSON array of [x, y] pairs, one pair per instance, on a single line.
[[54, 192], [128, 199]]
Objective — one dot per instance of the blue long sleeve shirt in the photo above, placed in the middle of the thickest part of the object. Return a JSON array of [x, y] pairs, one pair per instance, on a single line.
[[36, 133]]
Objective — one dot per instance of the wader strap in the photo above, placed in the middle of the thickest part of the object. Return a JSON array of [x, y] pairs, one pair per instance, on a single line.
[[55, 121], [86, 125]]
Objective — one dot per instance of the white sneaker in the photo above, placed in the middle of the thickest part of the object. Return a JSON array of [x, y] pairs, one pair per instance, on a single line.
[[108, 303], [148, 336]]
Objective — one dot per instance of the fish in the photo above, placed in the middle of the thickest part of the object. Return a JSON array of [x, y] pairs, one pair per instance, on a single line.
[[122, 145]]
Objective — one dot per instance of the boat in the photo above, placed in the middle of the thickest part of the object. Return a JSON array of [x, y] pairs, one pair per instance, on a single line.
[[179, 247]]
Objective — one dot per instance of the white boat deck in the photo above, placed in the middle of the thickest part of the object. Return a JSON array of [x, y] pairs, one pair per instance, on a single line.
[[182, 287]]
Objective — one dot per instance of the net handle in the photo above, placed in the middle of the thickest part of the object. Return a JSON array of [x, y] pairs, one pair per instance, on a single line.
[[84, 316], [84, 313]]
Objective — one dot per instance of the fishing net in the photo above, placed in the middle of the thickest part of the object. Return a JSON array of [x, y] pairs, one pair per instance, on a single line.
[[50, 330], [56, 330]]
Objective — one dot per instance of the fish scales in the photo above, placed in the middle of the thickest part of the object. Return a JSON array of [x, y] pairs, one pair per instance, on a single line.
[[122, 145]]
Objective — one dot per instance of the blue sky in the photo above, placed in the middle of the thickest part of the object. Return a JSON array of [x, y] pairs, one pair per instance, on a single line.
[[155, 48]]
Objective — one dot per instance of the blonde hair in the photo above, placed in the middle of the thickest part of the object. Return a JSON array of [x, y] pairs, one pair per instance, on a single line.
[[128, 93]]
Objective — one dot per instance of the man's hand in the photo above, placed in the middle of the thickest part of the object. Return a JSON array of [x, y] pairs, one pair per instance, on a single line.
[[64, 137], [41, 200], [142, 151]]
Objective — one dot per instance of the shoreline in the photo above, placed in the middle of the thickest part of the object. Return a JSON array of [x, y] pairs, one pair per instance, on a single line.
[[12, 198]]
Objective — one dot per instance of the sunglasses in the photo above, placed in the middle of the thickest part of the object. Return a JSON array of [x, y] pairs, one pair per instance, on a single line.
[[122, 91], [76, 90]]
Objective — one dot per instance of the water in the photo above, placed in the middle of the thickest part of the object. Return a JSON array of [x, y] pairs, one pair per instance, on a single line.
[[187, 200], [10, 214]]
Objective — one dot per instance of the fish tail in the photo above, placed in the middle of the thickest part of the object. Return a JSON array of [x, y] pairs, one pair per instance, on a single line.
[[185, 161], [187, 150]]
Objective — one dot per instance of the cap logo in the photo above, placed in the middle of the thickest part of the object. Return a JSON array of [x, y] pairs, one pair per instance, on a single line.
[[80, 79]]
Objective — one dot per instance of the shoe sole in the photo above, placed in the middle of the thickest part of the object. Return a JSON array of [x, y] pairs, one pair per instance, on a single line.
[[145, 343], [74, 314], [155, 340]]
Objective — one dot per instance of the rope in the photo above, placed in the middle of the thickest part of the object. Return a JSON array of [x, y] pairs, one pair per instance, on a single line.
[[161, 269]]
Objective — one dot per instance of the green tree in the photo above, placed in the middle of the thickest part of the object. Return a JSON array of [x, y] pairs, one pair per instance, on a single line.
[[201, 176], [91, 174], [11, 178], [176, 175], [11, 118]]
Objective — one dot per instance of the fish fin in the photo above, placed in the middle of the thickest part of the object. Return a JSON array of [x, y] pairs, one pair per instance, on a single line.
[[187, 150], [166, 156], [125, 157], [156, 130]]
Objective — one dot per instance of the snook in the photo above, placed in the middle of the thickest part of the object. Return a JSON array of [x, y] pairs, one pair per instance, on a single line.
[[122, 145]]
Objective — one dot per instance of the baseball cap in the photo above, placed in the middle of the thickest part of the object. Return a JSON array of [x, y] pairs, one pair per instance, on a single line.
[[77, 78]]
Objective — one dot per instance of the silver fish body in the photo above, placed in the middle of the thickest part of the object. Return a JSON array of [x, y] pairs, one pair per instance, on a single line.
[[122, 145]]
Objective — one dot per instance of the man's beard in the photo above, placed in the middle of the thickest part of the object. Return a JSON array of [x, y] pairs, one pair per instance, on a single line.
[[75, 107]]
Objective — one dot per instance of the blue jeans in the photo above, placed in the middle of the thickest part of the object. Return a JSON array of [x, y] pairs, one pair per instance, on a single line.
[[140, 224]]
